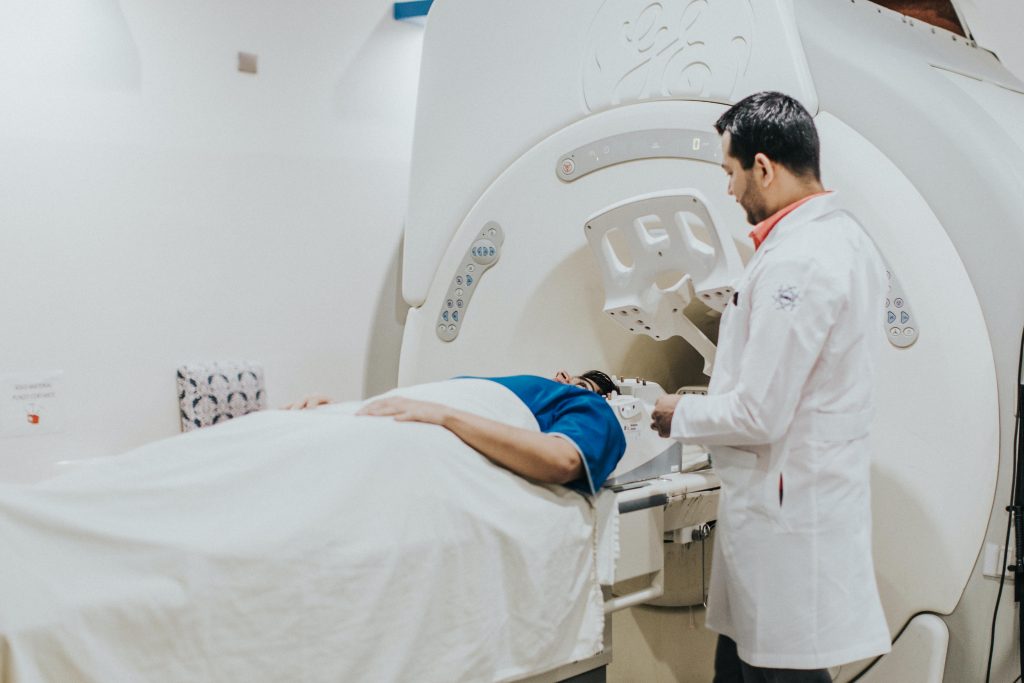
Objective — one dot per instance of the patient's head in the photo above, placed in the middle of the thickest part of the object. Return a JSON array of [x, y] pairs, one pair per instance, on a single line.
[[591, 380]]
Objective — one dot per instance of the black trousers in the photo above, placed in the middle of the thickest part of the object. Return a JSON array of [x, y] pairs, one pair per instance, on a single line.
[[729, 668]]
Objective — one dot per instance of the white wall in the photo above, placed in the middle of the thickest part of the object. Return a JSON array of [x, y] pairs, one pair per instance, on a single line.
[[158, 207], [998, 26]]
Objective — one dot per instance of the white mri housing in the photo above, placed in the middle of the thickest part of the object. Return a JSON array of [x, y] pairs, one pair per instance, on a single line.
[[921, 136]]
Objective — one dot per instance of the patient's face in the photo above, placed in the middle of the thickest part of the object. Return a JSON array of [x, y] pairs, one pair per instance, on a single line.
[[563, 377]]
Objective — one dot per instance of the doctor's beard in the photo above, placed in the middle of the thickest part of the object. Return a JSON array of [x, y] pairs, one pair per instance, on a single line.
[[753, 203]]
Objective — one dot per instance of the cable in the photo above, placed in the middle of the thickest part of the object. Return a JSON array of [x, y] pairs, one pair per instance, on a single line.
[[1009, 516], [1002, 578]]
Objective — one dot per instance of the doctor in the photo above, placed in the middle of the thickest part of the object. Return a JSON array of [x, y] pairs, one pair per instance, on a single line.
[[787, 414]]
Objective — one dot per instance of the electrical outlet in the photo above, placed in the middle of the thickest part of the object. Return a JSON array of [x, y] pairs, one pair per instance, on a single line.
[[993, 560], [247, 62]]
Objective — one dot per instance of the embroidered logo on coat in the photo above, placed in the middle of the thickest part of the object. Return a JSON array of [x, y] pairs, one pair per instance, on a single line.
[[787, 298]]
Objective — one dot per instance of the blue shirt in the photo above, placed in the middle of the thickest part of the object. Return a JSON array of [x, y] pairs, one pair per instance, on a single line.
[[581, 416]]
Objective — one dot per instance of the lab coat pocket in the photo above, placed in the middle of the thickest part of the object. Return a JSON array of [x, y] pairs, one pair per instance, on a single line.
[[733, 327], [729, 459], [741, 478], [790, 491], [777, 500]]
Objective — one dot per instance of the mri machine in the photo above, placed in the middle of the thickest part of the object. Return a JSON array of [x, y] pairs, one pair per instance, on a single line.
[[566, 208]]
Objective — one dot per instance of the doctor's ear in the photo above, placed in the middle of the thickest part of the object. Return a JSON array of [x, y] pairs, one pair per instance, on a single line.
[[764, 169]]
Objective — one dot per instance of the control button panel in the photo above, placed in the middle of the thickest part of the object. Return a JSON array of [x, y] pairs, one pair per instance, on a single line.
[[900, 324], [660, 143], [483, 253]]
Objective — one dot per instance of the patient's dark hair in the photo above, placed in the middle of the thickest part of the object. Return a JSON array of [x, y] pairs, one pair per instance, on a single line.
[[604, 383]]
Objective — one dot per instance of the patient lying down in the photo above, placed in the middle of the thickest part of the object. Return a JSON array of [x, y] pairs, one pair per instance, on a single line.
[[579, 442], [322, 545]]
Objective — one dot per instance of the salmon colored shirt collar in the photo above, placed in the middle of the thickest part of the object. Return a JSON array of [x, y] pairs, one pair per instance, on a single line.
[[760, 232]]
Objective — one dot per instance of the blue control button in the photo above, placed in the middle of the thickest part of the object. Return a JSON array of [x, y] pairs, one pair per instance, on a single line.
[[483, 252], [455, 316], [904, 317], [469, 280], [444, 316], [892, 317]]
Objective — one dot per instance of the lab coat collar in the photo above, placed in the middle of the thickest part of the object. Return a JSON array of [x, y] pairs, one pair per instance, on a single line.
[[809, 211]]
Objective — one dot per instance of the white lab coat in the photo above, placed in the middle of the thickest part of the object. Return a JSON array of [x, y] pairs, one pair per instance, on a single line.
[[790, 400]]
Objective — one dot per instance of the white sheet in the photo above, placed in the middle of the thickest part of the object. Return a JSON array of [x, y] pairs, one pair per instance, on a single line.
[[299, 546]]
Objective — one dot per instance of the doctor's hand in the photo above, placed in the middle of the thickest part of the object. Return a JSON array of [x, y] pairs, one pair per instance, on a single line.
[[311, 401], [661, 418], [406, 410]]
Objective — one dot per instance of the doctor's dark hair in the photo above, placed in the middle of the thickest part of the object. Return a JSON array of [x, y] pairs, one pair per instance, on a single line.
[[603, 382], [775, 125]]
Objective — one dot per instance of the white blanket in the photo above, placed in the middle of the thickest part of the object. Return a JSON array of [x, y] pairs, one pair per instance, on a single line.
[[299, 546]]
